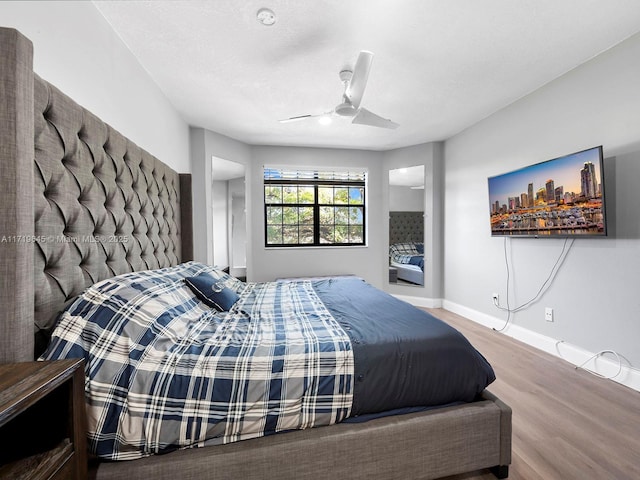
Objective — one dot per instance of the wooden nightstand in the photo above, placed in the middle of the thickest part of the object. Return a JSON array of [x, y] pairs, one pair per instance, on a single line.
[[42, 420]]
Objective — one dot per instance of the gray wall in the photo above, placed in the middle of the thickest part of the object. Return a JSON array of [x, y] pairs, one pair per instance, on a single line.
[[369, 262], [405, 199], [595, 294], [76, 50], [272, 263]]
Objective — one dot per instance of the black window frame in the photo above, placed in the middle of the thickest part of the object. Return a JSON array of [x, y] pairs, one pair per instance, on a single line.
[[316, 182]]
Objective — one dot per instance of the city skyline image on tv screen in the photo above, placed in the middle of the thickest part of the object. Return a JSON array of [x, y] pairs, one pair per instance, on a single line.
[[559, 197]]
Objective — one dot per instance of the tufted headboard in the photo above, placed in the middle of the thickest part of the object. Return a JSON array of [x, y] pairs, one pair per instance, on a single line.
[[79, 203], [406, 227]]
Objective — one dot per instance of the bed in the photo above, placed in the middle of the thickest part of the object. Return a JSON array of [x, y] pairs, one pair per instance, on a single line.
[[406, 247], [94, 206], [408, 259]]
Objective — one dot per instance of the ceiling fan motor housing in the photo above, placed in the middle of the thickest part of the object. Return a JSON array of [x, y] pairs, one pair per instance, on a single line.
[[345, 109]]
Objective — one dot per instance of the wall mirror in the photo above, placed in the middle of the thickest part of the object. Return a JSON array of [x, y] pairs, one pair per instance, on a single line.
[[406, 226], [229, 216]]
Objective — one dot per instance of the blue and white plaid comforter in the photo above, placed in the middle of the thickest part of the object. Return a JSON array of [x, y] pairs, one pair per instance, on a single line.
[[164, 371], [406, 253]]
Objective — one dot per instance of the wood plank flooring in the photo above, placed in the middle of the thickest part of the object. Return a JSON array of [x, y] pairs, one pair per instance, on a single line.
[[567, 423]]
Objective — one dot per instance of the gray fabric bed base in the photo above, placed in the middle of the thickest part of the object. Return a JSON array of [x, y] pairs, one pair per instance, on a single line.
[[408, 274], [416, 446]]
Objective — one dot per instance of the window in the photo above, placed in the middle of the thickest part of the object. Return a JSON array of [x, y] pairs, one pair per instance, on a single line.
[[313, 208]]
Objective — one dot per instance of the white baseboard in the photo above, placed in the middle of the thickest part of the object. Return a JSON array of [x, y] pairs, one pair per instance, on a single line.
[[606, 365], [421, 301]]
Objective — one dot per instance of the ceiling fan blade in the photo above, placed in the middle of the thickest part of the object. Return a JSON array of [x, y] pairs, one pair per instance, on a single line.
[[358, 82], [295, 119], [306, 117], [365, 117]]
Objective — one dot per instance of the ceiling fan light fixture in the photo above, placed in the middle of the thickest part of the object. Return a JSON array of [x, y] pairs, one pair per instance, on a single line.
[[345, 109], [324, 120], [266, 17]]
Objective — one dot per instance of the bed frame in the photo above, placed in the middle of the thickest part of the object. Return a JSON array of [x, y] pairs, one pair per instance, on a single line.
[[409, 273], [94, 205]]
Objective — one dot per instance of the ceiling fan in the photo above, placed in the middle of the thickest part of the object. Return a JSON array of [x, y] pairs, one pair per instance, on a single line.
[[354, 82]]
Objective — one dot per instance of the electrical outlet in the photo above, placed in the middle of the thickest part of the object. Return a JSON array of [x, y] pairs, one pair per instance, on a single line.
[[548, 314]]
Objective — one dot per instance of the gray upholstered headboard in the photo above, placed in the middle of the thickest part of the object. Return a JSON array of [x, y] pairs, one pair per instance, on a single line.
[[406, 227], [92, 205]]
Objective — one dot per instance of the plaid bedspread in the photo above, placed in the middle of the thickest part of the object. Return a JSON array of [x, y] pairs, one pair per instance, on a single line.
[[405, 253], [163, 371]]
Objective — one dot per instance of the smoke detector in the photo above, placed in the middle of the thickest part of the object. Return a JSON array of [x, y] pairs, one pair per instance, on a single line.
[[266, 17]]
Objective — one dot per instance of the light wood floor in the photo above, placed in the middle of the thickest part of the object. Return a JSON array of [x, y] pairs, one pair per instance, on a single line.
[[567, 423]]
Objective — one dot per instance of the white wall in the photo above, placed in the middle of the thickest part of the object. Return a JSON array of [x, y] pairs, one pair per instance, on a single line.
[[595, 294], [76, 50]]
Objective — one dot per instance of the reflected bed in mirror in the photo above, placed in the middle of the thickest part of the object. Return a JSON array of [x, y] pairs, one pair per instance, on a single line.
[[406, 248], [406, 226]]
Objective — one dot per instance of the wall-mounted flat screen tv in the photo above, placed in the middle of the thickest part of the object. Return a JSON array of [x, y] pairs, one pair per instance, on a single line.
[[562, 197]]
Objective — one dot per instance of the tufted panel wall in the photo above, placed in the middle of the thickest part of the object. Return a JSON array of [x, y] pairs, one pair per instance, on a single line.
[[102, 205], [406, 227]]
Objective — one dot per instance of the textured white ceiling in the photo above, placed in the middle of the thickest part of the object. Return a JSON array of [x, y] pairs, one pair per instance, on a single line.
[[440, 65]]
